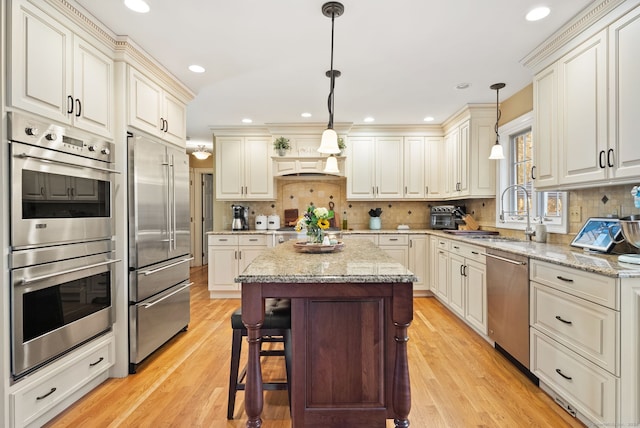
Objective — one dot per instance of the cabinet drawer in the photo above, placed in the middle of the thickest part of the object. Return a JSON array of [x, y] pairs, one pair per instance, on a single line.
[[223, 240], [582, 326], [595, 288], [442, 244], [393, 240], [34, 400], [591, 390], [248, 240], [468, 251]]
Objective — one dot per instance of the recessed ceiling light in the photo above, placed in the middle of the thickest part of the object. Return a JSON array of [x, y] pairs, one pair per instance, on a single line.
[[429, 119], [463, 85], [369, 119], [139, 6], [246, 120], [196, 68], [306, 114], [537, 13]]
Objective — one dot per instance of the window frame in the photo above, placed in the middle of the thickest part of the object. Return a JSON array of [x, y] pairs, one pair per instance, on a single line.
[[505, 174]]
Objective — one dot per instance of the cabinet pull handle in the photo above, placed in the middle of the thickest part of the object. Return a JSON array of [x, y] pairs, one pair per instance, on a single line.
[[609, 158], [69, 104], [559, 318], [533, 175], [101, 359], [166, 126], [253, 239], [563, 375], [456, 247], [405, 190], [79, 107], [426, 190], [239, 255], [475, 252], [561, 278], [235, 255], [393, 239], [466, 270], [42, 397], [601, 159]]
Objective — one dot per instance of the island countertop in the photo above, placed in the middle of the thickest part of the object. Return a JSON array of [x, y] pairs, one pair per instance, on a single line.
[[360, 261]]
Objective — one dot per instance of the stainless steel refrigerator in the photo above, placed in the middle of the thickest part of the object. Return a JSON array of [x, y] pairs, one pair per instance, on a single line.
[[159, 245]]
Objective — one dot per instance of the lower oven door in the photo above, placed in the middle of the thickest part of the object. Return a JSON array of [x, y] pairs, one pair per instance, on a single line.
[[157, 319], [58, 306]]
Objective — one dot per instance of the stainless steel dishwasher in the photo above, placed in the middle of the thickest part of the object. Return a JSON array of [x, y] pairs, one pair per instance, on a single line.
[[508, 303]]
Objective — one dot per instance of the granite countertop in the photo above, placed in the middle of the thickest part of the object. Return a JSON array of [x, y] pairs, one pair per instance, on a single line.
[[360, 261]]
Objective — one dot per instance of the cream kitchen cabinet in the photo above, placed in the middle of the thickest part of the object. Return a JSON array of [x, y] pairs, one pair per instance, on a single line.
[[545, 128], [244, 168], [414, 168], [156, 111], [575, 339], [229, 255], [468, 284], [419, 262], [60, 187], [468, 140], [58, 74], [434, 170], [374, 168], [439, 268], [397, 246]]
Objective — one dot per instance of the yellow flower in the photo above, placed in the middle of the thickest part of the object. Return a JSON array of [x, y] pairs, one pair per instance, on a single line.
[[323, 223]]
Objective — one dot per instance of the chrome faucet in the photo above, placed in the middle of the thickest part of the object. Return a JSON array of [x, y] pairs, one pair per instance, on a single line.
[[528, 232]]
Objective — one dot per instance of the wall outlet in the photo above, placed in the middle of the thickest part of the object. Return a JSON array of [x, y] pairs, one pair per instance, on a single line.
[[575, 215]]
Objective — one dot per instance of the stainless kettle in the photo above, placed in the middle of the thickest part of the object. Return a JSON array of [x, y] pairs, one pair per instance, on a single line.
[[236, 224]]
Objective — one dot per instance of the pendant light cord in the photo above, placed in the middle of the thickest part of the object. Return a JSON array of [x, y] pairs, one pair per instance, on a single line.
[[498, 114], [332, 78]]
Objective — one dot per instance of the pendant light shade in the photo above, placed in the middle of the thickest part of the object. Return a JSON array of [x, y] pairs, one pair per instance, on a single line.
[[331, 166], [496, 151], [329, 142], [201, 153]]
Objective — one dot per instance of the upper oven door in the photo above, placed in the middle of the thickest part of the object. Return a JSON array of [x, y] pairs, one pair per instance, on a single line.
[[58, 197]]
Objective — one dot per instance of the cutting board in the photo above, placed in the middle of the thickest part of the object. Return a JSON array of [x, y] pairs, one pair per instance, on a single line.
[[290, 217]]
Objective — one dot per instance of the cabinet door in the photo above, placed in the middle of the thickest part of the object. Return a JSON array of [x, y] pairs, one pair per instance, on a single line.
[[434, 168], [582, 81], [442, 275], [258, 178], [247, 254], [414, 166], [457, 283], [399, 254], [223, 268], [624, 90], [545, 127], [476, 295], [463, 160], [229, 168], [93, 89], [84, 189], [360, 168], [175, 115], [145, 103], [40, 75], [389, 168], [418, 260], [451, 163], [58, 187]]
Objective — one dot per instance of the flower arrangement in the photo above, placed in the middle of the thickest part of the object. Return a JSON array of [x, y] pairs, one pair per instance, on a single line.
[[315, 221], [281, 144]]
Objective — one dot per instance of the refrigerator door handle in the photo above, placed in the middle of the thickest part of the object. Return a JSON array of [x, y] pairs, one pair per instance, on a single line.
[[167, 164], [173, 201], [150, 304], [151, 272]]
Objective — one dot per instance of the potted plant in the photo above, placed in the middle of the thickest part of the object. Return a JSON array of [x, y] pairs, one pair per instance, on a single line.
[[281, 144], [341, 145]]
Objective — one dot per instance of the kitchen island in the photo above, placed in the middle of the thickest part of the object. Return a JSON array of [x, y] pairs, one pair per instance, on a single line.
[[350, 312]]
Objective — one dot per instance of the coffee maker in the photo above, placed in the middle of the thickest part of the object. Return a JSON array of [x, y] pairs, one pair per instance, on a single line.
[[240, 217]]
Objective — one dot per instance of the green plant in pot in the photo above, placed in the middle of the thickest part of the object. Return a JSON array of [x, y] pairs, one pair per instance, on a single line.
[[281, 145], [341, 145]]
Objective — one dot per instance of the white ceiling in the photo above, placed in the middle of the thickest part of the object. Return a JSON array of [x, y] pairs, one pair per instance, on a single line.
[[400, 60]]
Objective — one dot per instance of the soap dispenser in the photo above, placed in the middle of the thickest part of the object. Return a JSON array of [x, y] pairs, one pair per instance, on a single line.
[[541, 232]]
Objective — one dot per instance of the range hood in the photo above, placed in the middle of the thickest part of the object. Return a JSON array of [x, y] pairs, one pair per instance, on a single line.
[[304, 166]]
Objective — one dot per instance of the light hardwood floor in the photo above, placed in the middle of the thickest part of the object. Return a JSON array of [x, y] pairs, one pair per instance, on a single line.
[[457, 379]]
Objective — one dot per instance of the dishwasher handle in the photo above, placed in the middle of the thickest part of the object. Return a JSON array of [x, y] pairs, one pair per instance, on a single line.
[[504, 259]]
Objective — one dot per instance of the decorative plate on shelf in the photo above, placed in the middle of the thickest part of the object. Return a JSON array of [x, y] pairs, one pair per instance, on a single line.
[[307, 247]]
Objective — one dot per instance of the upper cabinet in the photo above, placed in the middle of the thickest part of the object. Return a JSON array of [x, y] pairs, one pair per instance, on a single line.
[[155, 110], [434, 168], [58, 74], [244, 168], [374, 168], [586, 109]]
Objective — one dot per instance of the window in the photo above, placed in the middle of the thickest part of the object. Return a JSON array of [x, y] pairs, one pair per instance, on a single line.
[[517, 186]]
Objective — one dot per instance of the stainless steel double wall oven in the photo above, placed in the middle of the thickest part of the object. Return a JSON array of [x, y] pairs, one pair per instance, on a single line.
[[62, 249]]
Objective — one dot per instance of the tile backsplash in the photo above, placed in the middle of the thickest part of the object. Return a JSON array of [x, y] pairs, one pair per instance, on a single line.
[[302, 192]]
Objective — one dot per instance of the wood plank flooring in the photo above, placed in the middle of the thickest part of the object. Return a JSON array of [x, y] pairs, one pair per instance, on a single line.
[[457, 379]]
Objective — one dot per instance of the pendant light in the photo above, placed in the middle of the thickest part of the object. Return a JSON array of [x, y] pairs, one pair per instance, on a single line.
[[201, 153], [496, 150], [329, 141]]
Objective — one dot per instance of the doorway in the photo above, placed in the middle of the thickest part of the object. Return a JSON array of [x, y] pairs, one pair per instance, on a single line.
[[201, 213], [207, 213]]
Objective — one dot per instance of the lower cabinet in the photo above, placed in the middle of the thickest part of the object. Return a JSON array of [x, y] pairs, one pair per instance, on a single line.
[[228, 256], [575, 340], [459, 280], [419, 262], [39, 397]]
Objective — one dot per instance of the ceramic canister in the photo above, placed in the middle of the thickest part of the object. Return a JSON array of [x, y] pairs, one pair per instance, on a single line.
[[261, 222], [273, 222]]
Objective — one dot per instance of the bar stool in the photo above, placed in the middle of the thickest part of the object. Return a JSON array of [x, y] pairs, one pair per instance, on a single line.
[[275, 328]]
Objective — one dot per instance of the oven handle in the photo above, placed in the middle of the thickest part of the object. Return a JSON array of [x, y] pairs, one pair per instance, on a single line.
[[151, 272], [26, 281], [25, 155], [148, 305]]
